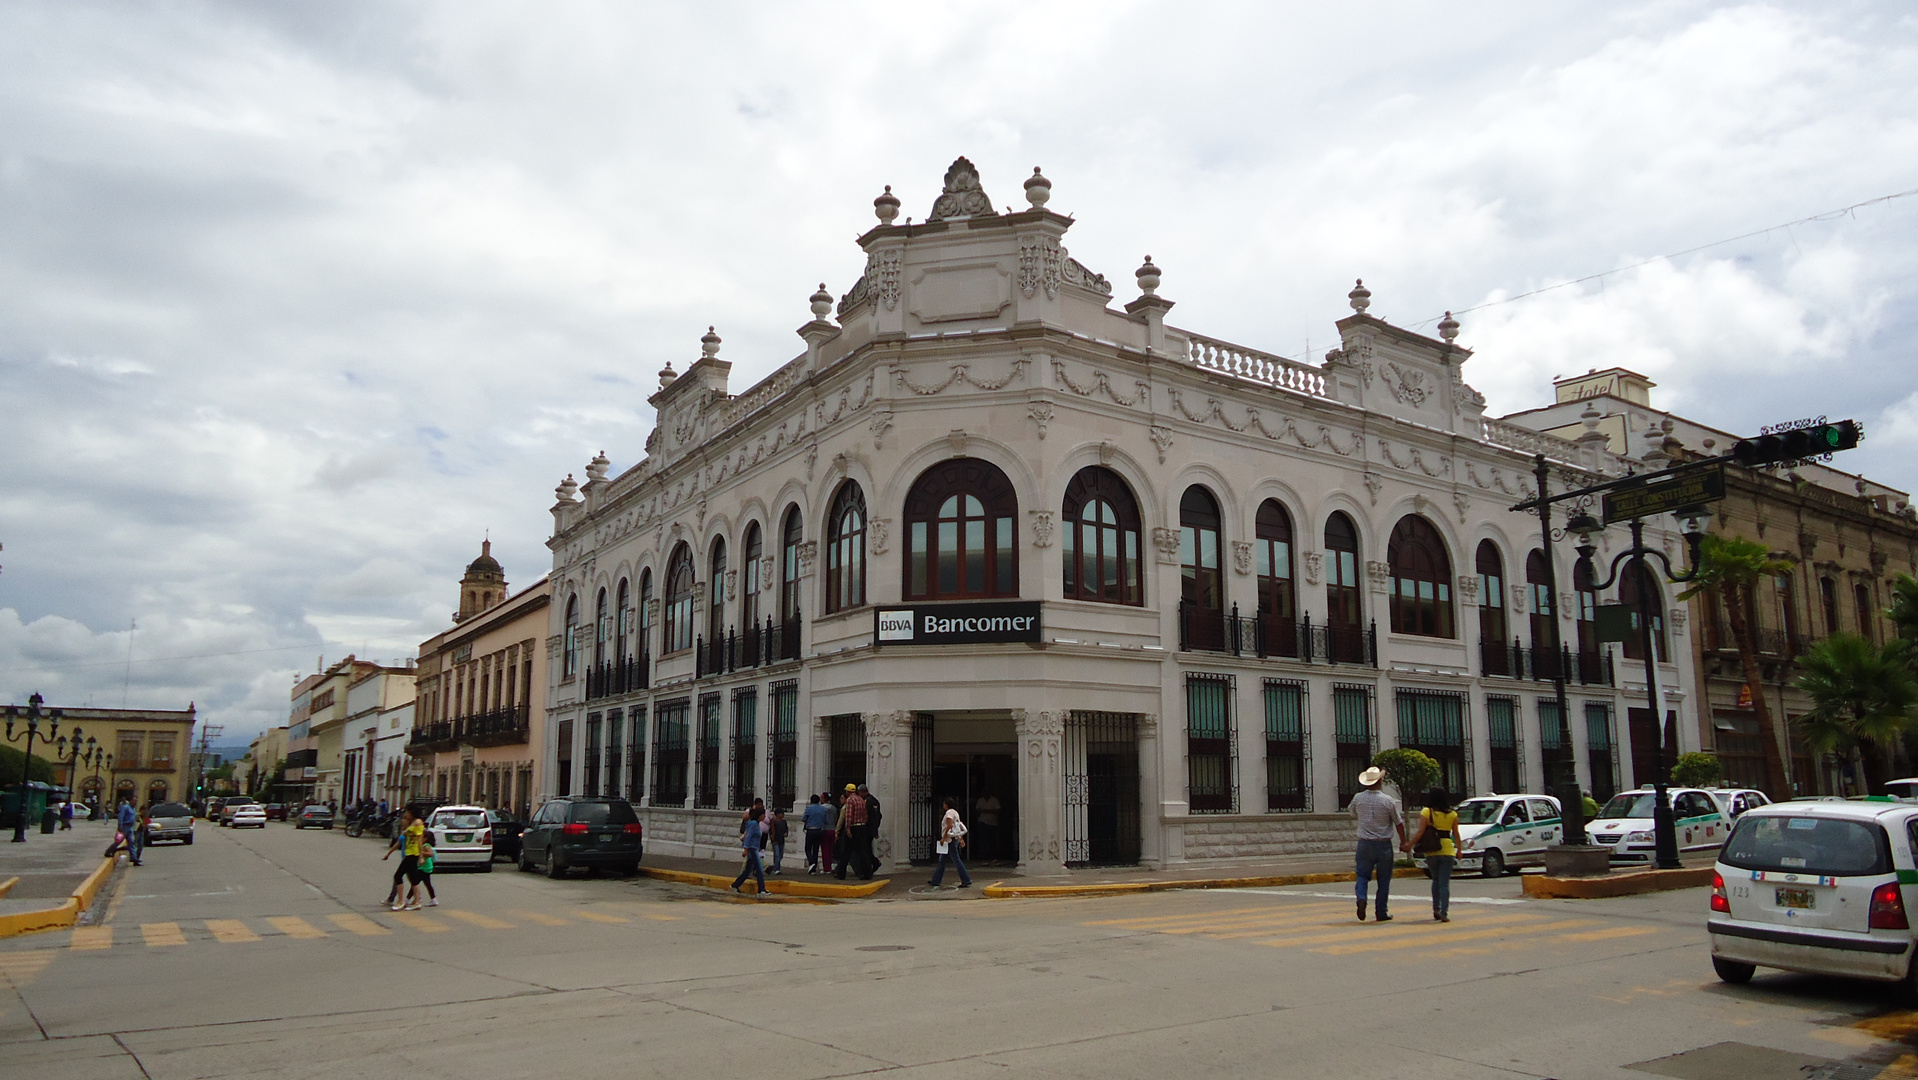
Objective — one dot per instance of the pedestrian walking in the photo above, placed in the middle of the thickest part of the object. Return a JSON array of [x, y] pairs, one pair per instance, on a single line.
[[1378, 816], [130, 828], [814, 821], [952, 837], [749, 841], [852, 812], [66, 815], [413, 847], [829, 836], [1438, 829], [778, 841], [399, 876], [868, 836]]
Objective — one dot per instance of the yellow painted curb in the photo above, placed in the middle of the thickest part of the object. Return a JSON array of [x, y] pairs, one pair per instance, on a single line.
[[7, 886], [62, 916], [1539, 887], [999, 890], [774, 886]]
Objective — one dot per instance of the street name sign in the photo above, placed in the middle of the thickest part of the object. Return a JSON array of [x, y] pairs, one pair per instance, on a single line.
[[1666, 494]]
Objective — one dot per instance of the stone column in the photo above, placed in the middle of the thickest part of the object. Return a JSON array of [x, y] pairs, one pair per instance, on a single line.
[[1041, 791], [888, 767], [821, 764], [1151, 793]]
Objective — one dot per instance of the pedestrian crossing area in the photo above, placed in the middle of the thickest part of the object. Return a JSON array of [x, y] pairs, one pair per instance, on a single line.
[[1328, 928]]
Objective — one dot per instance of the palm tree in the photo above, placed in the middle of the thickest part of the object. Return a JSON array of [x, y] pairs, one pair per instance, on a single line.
[[1730, 569], [1863, 695], [1904, 606]]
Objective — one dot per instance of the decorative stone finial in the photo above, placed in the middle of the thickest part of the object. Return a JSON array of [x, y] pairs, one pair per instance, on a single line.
[[708, 344], [667, 375], [596, 468], [886, 206], [1360, 296], [1038, 189], [821, 302], [963, 197], [567, 489], [1148, 277], [1448, 328], [1590, 417]]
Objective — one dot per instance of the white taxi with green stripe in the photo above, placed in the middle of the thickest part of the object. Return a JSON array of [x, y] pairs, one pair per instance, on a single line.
[[1502, 832], [1624, 825]]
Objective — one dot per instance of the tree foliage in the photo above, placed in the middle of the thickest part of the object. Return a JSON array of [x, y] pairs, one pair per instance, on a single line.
[[41, 770], [1904, 606], [1697, 770], [1413, 772], [1863, 698], [1730, 570]]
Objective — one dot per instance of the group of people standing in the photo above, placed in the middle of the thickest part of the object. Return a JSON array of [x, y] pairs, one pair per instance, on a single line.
[[1379, 818], [840, 829]]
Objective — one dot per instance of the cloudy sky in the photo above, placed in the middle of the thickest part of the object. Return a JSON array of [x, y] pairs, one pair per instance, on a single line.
[[297, 300]]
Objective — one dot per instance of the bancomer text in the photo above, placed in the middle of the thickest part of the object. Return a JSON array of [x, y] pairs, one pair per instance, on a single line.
[[936, 625]]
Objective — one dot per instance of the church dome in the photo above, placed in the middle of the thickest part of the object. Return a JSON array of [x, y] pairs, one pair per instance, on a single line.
[[485, 564]]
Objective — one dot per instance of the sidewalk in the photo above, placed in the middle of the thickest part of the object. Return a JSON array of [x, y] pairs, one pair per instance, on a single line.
[[51, 867]]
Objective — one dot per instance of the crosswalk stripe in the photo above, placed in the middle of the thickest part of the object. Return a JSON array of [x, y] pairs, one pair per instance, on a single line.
[[1276, 919], [1437, 937], [162, 933], [484, 922], [358, 924], [600, 918], [659, 918], [1374, 932], [91, 937], [1608, 935], [230, 931], [1147, 922], [534, 916], [416, 921], [295, 927], [20, 968]]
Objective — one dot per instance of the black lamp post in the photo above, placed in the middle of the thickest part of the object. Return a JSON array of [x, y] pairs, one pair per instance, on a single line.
[[100, 757], [1692, 522], [71, 749], [33, 716]]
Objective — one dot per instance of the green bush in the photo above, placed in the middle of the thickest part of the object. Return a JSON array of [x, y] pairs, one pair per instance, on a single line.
[[1696, 770], [1413, 772], [41, 769]]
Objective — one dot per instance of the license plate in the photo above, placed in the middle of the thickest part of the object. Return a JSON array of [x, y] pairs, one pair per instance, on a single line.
[[605, 839], [459, 838], [1796, 898]]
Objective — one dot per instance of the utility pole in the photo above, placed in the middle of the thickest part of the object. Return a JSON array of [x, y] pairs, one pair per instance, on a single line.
[[207, 731]]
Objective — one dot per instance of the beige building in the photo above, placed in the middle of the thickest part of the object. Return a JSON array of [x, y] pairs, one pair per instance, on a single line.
[[480, 713], [1846, 538], [317, 730], [253, 773], [379, 721], [149, 747], [1128, 593]]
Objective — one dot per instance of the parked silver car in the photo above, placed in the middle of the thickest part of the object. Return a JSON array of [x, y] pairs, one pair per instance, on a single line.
[[169, 821]]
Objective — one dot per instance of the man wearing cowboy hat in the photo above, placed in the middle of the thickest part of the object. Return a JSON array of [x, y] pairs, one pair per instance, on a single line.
[[1377, 816]]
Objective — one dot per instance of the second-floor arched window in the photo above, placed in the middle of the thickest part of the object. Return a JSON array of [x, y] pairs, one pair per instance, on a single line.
[[749, 579], [602, 629], [680, 590], [1341, 572], [1099, 529], [569, 651], [1538, 596], [1491, 594], [1587, 613], [716, 592], [793, 535], [959, 525], [622, 622], [1421, 597], [646, 612], [846, 549], [1272, 552], [1639, 591]]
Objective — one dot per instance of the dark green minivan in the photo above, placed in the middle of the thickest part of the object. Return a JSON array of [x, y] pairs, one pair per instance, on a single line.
[[581, 831]]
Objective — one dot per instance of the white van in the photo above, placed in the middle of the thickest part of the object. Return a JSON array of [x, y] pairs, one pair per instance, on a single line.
[[1500, 832]]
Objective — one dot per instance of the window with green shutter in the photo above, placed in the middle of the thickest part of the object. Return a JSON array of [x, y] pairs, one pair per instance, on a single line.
[[1351, 736], [1288, 784], [1209, 787]]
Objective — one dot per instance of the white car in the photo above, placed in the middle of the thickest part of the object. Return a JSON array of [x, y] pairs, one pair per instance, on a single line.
[[1625, 823], [1817, 887], [1904, 790], [251, 815], [1499, 832], [461, 836]]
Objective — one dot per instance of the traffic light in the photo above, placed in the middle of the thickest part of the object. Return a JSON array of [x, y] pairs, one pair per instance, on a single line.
[[1798, 444]]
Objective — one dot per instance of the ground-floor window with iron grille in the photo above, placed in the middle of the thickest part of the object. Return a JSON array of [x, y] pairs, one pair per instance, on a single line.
[[593, 723], [706, 782], [1602, 747], [615, 754], [1553, 752], [847, 735], [1507, 748], [1352, 736], [1102, 789], [1433, 723], [563, 767], [1208, 744], [782, 745], [670, 744], [745, 745], [1288, 765], [636, 756], [1740, 748]]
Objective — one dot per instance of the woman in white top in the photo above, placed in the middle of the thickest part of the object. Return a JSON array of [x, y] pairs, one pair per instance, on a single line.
[[952, 837]]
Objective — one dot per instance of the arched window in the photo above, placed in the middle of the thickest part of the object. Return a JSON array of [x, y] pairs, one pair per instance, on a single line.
[[1867, 622], [1421, 579], [1787, 613], [959, 517], [1341, 572], [1828, 594], [1278, 601], [755, 549], [846, 549], [680, 589], [622, 622], [569, 660], [602, 629], [1538, 595], [646, 612], [795, 533], [716, 592], [1587, 597], [1100, 536], [1201, 584], [1630, 583], [1491, 594]]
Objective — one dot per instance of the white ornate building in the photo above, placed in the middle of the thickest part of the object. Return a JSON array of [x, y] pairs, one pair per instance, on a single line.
[[1157, 597]]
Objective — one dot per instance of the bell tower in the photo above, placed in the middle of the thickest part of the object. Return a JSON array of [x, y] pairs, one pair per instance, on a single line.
[[483, 586]]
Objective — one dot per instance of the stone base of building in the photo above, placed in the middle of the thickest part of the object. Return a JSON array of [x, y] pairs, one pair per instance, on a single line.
[[1208, 837]]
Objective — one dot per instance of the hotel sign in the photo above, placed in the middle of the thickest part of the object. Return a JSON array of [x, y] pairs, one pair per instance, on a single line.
[[957, 624]]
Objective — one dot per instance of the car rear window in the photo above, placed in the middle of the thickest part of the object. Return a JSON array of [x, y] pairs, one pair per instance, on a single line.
[[472, 819], [238, 800], [604, 813], [170, 809], [1835, 847]]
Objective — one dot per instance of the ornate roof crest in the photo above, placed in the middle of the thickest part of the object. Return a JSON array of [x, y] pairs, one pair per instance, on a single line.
[[963, 196]]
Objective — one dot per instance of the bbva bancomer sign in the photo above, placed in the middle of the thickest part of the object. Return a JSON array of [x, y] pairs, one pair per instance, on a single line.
[[957, 624]]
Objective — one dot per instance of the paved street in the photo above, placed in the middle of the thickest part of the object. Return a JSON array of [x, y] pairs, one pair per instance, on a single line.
[[266, 954]]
